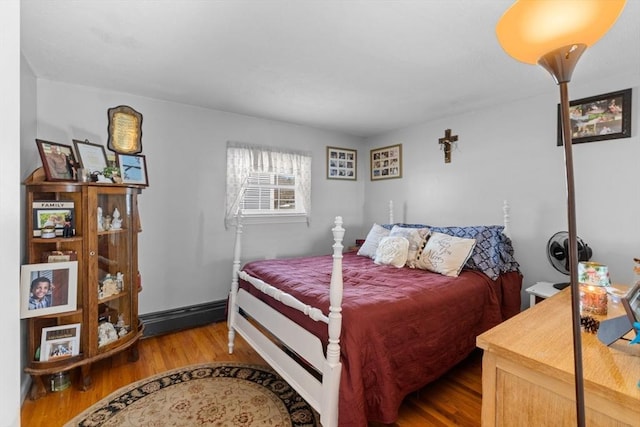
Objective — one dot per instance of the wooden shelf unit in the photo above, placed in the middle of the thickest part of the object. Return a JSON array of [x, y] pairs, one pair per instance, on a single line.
[[99, 253]]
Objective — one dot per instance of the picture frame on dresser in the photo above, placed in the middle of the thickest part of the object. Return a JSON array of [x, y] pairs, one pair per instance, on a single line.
[[60, 342], [48, 288], [631, 303], [133, 169], [58, 160], [52, 213], [92, 157], [342, 164]]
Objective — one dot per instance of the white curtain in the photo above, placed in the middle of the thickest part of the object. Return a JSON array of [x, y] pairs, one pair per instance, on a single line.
[[243, 159]]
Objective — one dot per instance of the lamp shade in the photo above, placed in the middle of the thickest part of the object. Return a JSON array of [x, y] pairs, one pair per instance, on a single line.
[[530, 29]]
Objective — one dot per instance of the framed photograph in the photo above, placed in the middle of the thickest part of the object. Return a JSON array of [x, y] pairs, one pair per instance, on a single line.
[[59, 342], [53, 214], [92, 157], [631, 303], [386, 162], [599, 117], [125, 130], [342, 163], [58, 161], [48, 288], [133, 169]]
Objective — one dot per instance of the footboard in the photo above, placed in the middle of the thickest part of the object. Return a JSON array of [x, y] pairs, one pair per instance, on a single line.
[[321, 393]]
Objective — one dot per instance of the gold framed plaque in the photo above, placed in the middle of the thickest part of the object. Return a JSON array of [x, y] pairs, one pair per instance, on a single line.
[[125, 130]]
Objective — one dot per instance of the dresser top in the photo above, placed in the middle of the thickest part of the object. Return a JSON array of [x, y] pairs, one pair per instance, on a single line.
[[541, 338]]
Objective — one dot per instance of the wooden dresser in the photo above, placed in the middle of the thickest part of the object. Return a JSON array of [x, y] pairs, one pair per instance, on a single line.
[[527, 371]]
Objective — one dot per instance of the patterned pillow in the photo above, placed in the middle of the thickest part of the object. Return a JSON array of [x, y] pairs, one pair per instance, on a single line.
[[370, 244], [392, 251], [445, 254], [493, 252], [416, 238]]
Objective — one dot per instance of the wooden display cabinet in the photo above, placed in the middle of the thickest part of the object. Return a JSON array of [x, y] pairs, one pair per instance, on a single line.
[[108, 280]]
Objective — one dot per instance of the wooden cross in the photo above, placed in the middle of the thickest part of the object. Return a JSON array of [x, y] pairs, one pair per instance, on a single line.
[[446, 143]]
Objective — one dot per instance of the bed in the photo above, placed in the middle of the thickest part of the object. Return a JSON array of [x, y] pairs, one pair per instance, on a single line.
[[354, 335]]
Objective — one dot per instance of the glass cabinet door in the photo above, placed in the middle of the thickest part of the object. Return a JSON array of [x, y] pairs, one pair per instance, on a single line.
[[114, 273]]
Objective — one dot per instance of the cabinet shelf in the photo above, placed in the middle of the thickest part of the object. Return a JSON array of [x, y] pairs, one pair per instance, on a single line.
[[113, 297], [107, 232], [44, 241], [100, 255], [61, 315]]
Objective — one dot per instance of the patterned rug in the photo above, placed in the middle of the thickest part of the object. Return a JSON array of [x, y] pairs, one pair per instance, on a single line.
[[214, 394]]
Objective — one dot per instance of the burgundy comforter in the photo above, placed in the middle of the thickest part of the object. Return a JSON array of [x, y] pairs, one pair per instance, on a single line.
[[402, 328]]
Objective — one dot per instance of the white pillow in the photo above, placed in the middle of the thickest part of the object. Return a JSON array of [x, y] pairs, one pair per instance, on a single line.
[[445, 254], [370, 244], [392, 251], [416, 238]]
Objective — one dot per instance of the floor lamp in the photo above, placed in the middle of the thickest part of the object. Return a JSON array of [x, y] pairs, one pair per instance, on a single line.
[[554, 34]]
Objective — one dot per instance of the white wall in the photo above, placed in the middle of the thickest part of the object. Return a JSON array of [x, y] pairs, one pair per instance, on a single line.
[[10, 210], [28, 160], [509, 152], [185, 252]]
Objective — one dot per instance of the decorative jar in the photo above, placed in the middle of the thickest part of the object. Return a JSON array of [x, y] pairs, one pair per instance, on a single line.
[[594, 280]]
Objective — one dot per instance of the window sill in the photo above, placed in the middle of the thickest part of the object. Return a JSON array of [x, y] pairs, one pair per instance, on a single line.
[[273, 219]]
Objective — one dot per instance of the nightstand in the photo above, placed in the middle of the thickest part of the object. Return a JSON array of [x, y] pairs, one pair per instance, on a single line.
[[540, 291]]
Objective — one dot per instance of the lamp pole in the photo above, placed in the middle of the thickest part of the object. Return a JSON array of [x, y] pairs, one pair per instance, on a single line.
[[560, 63]]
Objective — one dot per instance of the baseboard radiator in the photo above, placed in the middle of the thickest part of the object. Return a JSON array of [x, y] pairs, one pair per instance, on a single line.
[[176, 319]]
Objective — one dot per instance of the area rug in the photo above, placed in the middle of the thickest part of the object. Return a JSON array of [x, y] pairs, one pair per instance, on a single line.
[[214, 394]]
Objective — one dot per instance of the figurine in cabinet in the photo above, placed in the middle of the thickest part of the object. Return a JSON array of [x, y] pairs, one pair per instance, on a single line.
[[106, 334], [116, 221], [100, 223], [67, 230]]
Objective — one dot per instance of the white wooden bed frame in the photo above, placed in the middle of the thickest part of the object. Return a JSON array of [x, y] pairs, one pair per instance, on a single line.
[[322, 394]]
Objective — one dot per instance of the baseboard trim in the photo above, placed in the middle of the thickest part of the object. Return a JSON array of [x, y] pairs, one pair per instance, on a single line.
[[164, 322]]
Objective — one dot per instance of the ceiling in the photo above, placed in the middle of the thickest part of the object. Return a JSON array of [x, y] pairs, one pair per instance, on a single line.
[[358, 67]]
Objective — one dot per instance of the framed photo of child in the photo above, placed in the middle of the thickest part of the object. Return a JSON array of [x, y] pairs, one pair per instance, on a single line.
[[48, 288]]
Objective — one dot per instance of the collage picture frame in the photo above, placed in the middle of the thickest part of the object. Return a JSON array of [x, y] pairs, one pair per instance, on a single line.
[[342, 164], [386, 162], [599, 118]]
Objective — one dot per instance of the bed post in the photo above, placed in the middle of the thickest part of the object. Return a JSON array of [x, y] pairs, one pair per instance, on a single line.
[[331, 373], [390, 211], [231, 309], [506, 218]]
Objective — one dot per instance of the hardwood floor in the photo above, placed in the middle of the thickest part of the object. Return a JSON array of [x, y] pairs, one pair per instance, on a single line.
[[454, 400]]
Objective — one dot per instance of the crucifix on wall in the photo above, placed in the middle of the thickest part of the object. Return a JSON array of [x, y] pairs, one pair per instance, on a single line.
[[445, 143]]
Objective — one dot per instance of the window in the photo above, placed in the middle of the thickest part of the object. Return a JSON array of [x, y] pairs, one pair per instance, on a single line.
[[268, 193], [266, 184]]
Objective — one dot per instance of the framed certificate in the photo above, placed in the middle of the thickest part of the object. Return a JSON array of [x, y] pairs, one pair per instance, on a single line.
[[91, 156], [125, 130]]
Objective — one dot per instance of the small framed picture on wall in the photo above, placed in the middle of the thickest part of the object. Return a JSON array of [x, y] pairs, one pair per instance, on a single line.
[[386, 162], [342, 163]]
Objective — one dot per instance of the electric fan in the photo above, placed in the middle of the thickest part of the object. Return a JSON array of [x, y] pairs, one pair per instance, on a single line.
[[558, 254]]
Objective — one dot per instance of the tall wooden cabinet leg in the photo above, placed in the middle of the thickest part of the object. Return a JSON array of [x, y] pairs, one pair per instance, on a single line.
[[37, 388], [85, 377]]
